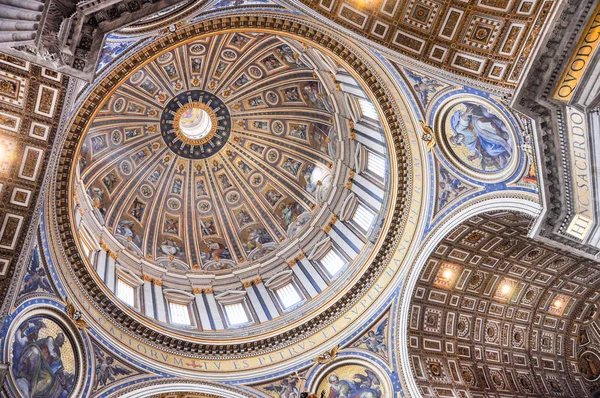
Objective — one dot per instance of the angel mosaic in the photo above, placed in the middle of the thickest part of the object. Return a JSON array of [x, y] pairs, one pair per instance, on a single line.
[[272, 196], [177, 186], [255, 101], [271, 62], [132, 107], [286, 388], [137, 209], [244, 218], [239, 41], [375, 340], [424, 86], [99, 143], [108, 370], [170, 247], [214, 250], [36, 278], [320, 137], [224, 181], [200, 188], [149, 86], [298, 131], [313, 96], [256, 237], [291, 94], [289, 213], [291, 57], [221, 66], [170, 70], [243, 166], [311, 176], [154, 176], [240, 81], [131, 133], [110, 180], [260, 125], [126, 229], [171, 225], [139, 156], [291, 166], [450, 187], [196, 65], [97, 196], [208, 227], [257, 148]]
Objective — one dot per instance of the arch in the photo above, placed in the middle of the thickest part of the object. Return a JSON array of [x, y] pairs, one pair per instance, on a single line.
[[462, 214], [208, 390], [489, 310]]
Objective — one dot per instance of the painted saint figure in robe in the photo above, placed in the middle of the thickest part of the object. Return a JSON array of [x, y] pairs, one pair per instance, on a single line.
[[361, 386], [486, 138], [39, 349]]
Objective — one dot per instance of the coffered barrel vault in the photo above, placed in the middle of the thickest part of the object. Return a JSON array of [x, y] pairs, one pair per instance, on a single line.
[[491, 41]]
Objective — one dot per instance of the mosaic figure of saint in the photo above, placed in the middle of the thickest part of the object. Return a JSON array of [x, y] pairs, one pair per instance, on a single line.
[[216, 251], [38, 365], [362, 386], [485, 136]]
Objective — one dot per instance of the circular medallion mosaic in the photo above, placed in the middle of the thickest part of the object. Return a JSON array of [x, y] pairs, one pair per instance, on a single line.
[[44, 362], [478, 136], [195, 124]]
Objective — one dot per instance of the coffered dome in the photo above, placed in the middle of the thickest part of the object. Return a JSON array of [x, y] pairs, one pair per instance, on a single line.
[[224, 162], [217, 153]]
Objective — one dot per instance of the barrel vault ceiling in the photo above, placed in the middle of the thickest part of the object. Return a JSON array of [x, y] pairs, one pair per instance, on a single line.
[[489, 40]]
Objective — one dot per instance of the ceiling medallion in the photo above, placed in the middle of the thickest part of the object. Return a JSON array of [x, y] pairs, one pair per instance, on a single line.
[[195, 124]]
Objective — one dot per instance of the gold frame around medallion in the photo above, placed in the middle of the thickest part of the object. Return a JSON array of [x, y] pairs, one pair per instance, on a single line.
[[201, 106]]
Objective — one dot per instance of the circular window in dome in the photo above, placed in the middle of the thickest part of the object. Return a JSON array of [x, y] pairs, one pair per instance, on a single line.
[[195, 123]]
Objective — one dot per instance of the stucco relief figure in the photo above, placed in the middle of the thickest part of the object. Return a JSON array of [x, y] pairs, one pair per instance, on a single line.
[[589, 365], [360, 386], [43, 360], [481, 139]]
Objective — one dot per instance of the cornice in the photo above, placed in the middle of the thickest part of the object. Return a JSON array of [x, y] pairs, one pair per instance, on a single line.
[[534, 98]]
